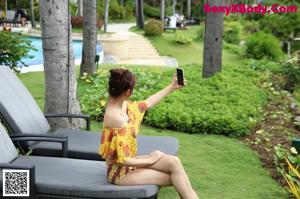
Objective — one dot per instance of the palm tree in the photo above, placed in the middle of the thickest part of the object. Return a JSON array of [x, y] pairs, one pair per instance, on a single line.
[[162, 10], [106, 15], [79, 8], [59, 64], [32, 14], [174, 7], [189, 11], [212, 53], [139, 13], [88, 64]]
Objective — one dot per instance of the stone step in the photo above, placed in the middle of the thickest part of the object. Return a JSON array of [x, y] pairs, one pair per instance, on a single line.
[[143, 57], [144, 61]]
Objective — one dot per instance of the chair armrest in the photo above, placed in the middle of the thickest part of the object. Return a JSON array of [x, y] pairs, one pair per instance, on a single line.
[[72, 115], [63, 139], [31, 168]]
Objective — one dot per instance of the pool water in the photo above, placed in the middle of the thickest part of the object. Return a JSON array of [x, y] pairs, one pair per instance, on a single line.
[[37, 56]]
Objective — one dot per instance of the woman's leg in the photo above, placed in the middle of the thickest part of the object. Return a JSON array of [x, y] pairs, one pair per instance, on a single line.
[[172, 165], [146, 176]]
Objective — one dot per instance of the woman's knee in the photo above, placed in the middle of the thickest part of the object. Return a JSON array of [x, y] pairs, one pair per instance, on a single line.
[[174, 161]]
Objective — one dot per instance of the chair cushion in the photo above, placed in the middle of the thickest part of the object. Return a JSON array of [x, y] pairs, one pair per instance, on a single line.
[[85, 144], [8, 151], [79, 178], [17, 106]]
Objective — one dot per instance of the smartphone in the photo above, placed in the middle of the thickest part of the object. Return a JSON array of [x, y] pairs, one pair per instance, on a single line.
[[180, 77]]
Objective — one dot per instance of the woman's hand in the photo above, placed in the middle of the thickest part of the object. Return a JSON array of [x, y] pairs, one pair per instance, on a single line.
[[174, 85], [155, 156]]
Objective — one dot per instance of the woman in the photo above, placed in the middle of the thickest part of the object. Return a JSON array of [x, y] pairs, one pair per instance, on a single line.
[[121, 124]]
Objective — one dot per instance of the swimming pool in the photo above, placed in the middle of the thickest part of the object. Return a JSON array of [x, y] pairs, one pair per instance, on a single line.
[[37, 56]]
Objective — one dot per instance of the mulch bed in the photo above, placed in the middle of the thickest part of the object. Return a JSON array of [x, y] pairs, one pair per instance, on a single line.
[[275, 128]]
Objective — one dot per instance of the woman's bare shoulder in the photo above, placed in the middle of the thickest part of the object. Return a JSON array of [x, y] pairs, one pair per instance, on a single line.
[[113, 119]]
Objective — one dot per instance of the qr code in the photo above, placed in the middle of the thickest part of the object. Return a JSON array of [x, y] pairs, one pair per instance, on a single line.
[[16, 182]]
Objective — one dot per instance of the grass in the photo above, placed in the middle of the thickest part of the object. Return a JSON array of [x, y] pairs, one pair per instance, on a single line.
[[218, 167], [185, 54]]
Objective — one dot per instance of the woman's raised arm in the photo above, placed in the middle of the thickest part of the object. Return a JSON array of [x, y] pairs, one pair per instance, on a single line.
[[154, 99]]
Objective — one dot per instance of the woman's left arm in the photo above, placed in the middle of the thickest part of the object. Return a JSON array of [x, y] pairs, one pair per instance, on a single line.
[[154, 99]]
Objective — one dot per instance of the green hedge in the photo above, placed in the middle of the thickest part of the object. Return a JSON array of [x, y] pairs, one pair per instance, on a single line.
[[263, 45], [228, 103]]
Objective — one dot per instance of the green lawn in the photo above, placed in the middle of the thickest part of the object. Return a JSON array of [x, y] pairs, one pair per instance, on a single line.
[[219, 167]]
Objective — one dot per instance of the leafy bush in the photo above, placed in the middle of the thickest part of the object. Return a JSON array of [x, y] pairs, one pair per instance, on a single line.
[[236, 49], [229, 103], [151, 11], [281, 26], [232, 31], [291, 71], [153, 28], [77, 22], [182, 39], [263, 65], [13, 48], [263, 45]]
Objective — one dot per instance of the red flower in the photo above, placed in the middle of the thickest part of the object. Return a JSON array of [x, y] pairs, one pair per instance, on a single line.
[[126, 150], [122, 131], [102, 138], [142, 106], [111, 135]]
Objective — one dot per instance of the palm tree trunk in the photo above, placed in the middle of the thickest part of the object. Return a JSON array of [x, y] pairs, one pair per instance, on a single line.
[[212, 53], [79, 6], [106, 15], [88, 64], [174, 7], [189, 11], [139, 14], [162, 10], [59, 64], [32, 14]]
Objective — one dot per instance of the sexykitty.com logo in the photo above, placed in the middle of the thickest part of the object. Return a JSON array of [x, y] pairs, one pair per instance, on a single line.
[[248, 8]]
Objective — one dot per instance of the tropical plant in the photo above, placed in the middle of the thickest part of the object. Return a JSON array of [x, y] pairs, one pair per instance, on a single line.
[[14, 47]]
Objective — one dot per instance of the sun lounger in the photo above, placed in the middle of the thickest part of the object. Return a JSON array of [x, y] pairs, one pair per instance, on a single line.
[[64, 178]]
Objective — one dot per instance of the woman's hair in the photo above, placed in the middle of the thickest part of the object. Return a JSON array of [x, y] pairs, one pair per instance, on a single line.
[[120, 81]]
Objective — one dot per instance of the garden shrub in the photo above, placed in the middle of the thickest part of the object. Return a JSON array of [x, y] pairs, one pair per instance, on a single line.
[[77, 22], [182, 39], [264, 65], [153, 28], [229, 103], [232, 31], [151, 11], [291, 70], [263, 45], [13, 47]]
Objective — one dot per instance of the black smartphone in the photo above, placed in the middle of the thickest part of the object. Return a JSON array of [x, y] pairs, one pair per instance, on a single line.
[[180, 78]]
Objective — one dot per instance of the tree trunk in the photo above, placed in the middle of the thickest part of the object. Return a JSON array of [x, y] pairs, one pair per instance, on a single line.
[[174, 7], [122, 2], [32, 14], [162, 10], [88, 64], [79, 8], [106, 15], [189, 10], [212, 53], [59, 63], [139, 14]]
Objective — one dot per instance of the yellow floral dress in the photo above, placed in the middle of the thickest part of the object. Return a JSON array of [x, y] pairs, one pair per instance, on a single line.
[[118, 145]]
